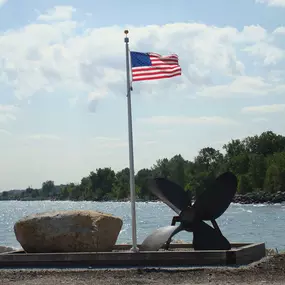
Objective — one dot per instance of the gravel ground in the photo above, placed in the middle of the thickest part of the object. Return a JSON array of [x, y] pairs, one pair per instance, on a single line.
[[270, 270]]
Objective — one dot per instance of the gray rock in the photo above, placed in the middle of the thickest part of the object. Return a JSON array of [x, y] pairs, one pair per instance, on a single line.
[[68, 231]]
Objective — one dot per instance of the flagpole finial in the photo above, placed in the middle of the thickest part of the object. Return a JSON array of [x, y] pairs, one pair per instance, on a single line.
[[126, 37]]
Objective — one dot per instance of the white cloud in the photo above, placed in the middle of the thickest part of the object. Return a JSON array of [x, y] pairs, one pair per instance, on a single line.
[[279, 30], [274, 108], [2, 2], [52, 56], [8, 108], [164, 131], [185, 120], [97, 95], [6, 117], [7, 113], [259, 120], [252, 34], [114, 143], [269, 53], [94, 97], [106, 139], [4, 132], [274, 3], [238, 86], [44, 137], [58, 13], [150, 142], [109, 142]]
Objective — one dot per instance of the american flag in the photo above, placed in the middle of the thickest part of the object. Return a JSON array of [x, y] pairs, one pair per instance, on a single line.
[[149, 66]]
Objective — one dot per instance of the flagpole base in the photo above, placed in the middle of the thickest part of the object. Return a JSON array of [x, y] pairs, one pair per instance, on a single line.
[[135, 249]]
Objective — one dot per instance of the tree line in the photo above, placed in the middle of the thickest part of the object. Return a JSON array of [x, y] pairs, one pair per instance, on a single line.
[[258, 162]]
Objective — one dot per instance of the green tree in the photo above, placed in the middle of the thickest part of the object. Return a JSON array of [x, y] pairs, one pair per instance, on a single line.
[[101, 182], [121, 187], [176, 167], [140, 179], [239, 164], [244, 185], [161, 168], [234, 148], [273, 182], [48, 189], [257, 170]]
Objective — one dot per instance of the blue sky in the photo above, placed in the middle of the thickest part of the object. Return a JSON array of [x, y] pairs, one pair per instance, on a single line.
[[63, 109]]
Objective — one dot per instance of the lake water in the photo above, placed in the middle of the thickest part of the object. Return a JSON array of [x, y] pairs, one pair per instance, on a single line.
[[240, 223]]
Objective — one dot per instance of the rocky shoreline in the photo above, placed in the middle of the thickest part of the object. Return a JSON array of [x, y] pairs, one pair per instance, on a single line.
[[260, 198], [249, 198]]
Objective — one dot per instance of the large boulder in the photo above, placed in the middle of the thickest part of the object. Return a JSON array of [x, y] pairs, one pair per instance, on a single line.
[[68, 231]]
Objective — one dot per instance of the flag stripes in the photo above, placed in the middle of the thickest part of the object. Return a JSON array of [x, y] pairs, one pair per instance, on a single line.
[[150, 66]]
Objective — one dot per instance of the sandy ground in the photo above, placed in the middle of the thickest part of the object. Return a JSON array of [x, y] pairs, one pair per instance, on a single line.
[[271, 270]]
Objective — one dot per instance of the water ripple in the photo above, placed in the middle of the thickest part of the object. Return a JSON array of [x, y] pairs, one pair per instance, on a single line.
[[240, 223]]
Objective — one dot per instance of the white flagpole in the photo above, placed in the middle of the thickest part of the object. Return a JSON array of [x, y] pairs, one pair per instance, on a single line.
[[131, 151]]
